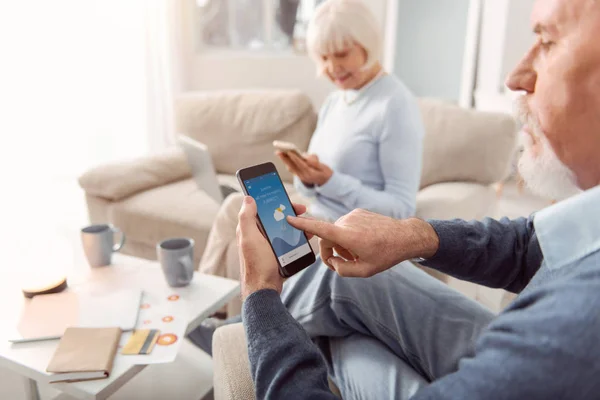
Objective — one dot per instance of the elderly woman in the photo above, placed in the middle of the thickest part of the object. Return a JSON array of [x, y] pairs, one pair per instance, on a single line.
[[366, 150]]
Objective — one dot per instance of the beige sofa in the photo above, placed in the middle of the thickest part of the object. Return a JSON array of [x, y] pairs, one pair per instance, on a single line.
[[153, 198]]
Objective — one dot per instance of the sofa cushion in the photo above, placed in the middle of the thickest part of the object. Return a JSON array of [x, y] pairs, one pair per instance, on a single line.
[[174, 210], [465, 145], [238, 127]]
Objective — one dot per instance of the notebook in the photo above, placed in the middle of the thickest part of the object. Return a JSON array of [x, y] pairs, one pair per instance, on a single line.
[[84, 354], [47, 316]]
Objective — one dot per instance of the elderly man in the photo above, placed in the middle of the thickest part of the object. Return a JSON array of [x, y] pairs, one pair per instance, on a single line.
[[396, 332]]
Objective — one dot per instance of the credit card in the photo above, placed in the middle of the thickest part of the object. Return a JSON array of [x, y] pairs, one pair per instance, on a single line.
[[141, 341]]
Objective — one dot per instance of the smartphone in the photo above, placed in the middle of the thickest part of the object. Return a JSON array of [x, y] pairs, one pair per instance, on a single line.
[[286, 146], [290, 245]]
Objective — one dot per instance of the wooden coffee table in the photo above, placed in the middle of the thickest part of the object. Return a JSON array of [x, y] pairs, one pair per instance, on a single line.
[[205, 295]]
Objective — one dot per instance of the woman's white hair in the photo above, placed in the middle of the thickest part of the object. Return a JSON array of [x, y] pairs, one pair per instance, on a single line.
[[337, 24]]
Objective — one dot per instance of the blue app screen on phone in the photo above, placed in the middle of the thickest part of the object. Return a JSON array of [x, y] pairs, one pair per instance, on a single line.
[[273, 206]]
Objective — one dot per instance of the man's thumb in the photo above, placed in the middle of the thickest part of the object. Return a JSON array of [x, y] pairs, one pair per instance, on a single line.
[[247, 216], [340, 265], [348, 269]]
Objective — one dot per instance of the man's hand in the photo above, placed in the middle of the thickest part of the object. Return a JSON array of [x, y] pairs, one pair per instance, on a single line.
[[362, 243], [307, 168], [258, 267]]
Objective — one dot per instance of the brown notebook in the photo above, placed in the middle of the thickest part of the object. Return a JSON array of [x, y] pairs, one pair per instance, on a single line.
[[84, 354]]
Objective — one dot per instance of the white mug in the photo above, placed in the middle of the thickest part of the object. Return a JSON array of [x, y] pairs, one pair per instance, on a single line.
[[98, 243], [176, 258]]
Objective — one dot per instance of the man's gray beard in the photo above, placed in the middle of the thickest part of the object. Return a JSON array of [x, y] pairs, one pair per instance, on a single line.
[[544, 174]]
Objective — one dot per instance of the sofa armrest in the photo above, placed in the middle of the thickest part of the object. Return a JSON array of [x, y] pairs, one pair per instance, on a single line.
[[119, 180], [451, 200], [231, 366]]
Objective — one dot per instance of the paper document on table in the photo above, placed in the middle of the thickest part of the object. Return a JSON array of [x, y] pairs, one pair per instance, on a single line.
[[167, 314], [47, 316]]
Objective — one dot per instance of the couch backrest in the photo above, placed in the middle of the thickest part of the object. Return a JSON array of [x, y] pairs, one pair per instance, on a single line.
[[238, 127], [465, 145]]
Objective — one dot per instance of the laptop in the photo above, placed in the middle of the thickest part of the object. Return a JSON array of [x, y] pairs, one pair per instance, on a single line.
[[203, 170]]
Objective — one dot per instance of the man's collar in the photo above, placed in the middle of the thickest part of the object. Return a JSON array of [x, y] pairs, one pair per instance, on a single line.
[[570, 230]]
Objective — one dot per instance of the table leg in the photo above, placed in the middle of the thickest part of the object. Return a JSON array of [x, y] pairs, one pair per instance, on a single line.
[[31, 390]]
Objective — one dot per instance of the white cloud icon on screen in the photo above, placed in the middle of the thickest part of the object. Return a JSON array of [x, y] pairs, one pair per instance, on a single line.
[[279, 215]]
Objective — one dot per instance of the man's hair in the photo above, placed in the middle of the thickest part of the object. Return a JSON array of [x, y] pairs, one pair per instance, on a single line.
[[337, 24]]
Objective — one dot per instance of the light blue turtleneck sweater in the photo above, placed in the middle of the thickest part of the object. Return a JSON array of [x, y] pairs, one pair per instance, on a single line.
[[374, 145]]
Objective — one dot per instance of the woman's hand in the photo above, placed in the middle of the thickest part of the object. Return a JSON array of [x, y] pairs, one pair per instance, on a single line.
[[307, 168]]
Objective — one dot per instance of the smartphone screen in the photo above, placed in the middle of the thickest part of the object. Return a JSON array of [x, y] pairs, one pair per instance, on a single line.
[[289, 243]]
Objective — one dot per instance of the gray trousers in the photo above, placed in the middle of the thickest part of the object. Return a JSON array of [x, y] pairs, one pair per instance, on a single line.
[[385, 337]]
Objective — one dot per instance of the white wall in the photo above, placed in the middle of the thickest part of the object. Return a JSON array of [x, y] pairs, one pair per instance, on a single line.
[[519, 35], [506, 35], [246, 70], [430, 45], [216, 70]]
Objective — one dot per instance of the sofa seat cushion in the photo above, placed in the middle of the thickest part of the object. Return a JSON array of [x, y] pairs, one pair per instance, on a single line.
[[174, 210], [456, 200]]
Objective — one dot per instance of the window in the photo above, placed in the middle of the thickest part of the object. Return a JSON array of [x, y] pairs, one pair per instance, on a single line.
[[254, 24]]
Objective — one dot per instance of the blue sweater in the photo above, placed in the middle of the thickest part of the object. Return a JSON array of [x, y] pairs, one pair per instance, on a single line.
[[545, 345], [374, 146]]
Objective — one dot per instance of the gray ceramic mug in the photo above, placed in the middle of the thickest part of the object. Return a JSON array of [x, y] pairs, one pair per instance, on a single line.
[[176, 257], [99, 243]]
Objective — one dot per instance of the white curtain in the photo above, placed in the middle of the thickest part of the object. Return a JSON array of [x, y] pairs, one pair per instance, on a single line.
[[85, 82], [82, 83], [163, 69], [76, 93]]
